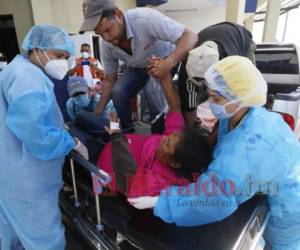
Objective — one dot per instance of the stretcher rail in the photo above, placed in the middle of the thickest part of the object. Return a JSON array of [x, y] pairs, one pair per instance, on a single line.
[[103, 179]]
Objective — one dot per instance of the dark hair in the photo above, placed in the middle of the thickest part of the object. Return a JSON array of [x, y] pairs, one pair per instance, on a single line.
[[2, 56], [192, 153], [270, 102], [85, 45], [109, 14]]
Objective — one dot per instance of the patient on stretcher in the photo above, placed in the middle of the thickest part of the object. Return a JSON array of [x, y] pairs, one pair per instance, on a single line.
[[144, 165]]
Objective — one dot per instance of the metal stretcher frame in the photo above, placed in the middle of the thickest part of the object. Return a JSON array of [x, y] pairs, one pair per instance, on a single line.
[[96, 171], [94, 234]]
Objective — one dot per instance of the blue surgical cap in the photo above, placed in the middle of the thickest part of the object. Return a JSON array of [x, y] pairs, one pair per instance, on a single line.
[[48, 37]]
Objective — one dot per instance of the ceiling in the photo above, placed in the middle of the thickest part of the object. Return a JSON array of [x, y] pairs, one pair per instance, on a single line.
[[198, 5], [180, 5], [286, 5]]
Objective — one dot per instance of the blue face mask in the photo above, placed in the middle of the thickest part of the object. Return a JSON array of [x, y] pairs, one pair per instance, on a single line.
[[82, 100], [219, 111]]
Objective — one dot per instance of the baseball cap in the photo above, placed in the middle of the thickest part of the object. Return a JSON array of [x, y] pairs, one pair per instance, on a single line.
[[77, 84], [200, 59], [93, 11]]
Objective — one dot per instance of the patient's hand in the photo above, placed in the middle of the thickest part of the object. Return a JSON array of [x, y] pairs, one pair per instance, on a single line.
[[143, 202], [114, 126], [159, 67]]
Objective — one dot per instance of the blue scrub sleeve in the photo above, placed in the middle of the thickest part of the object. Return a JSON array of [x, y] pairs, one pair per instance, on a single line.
[[196, 204], [32, 118]]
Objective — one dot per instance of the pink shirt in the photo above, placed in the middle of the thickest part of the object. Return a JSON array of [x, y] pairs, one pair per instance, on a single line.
[[151, 176]]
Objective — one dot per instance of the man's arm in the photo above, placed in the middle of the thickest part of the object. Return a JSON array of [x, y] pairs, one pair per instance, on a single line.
[[184, 44], [108, 84], [160, 27], [98, 70], [71, 72]]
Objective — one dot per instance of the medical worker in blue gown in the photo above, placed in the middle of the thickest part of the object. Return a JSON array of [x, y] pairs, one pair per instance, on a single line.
[[33, 142], [255, 151]]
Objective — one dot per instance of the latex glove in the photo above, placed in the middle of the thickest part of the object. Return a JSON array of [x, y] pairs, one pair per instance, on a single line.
[[81, 149], [143, 202]]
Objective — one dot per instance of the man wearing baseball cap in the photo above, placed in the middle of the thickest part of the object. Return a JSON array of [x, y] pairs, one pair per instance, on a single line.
[[81, 100], [137, 37], [214, 43]]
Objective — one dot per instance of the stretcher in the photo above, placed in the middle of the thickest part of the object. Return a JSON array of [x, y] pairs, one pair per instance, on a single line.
[[107, 221]]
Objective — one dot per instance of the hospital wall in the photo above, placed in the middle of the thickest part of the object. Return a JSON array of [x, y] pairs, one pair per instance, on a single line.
[[68, 14], [22, 15], [126, 4], [198, 20], [195, 19]]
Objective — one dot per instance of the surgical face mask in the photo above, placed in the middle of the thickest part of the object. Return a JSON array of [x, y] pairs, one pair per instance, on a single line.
[[85, 55], [220, 112], [56, 68], [82, 100], [2, 65]]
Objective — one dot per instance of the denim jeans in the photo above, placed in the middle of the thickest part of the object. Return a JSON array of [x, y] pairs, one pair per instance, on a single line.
[[127, 86]]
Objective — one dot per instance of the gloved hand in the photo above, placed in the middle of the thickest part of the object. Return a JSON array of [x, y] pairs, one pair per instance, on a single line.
[[81, 149], [143, 202]]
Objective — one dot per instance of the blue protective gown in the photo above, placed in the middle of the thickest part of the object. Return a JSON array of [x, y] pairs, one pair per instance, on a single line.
[[33, 144], [261, 154]]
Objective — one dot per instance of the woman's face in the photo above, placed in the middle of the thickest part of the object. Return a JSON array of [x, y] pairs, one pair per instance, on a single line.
[[167, 148], [215, 97]]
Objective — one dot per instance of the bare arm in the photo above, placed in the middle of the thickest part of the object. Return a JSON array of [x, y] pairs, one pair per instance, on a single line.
[[108, 84], [71, 72], [171, 94], [185, 43]]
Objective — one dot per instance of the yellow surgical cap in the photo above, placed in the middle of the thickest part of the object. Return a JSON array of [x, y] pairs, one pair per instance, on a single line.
[[236, 78]]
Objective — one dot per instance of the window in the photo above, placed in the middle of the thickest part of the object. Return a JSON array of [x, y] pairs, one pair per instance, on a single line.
[[277, 61]]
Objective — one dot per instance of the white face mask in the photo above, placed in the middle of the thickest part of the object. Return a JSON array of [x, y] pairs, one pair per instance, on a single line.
[[85, 55], [56, 68]]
